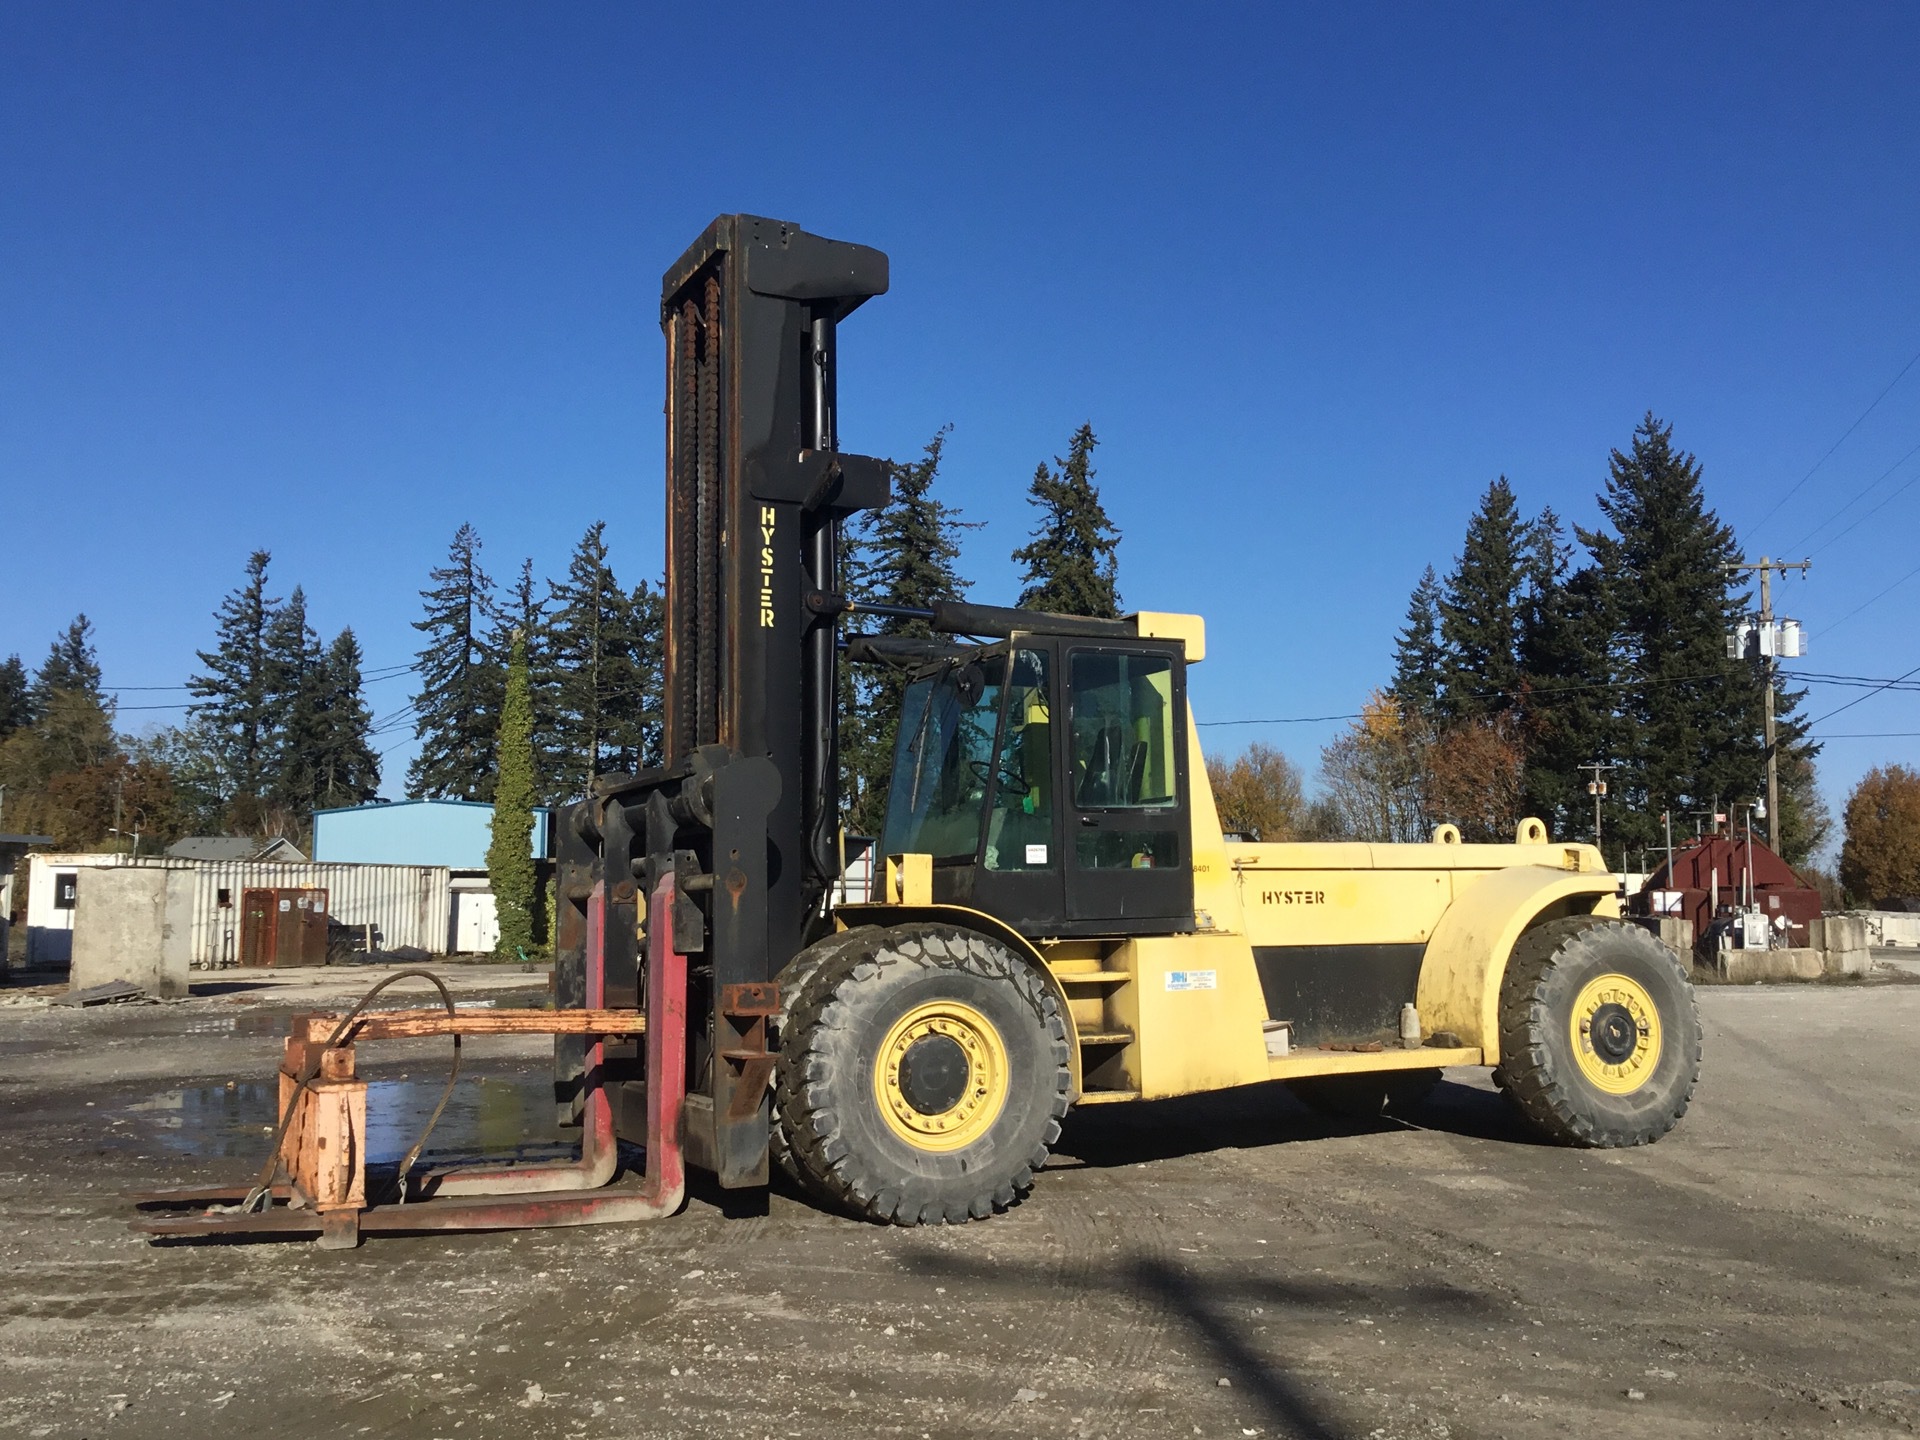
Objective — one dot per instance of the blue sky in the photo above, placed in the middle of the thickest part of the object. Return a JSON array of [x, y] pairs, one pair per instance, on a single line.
[[332, 280]]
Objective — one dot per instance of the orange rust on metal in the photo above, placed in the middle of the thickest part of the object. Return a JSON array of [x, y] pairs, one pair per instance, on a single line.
[[752, 998], [412, 1024]]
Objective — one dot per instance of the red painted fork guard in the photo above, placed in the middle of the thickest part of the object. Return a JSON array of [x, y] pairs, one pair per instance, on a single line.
[[516, 1197]]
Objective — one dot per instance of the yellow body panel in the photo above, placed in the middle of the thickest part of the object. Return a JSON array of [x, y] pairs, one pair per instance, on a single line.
[[1195, 1009]]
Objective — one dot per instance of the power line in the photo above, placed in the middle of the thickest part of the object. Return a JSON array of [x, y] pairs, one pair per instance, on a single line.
[[1874, 601], [1838, 443], [1827, 544], [1858, 698]]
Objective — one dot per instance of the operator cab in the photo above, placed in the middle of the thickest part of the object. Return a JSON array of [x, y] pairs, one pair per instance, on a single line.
[[1047, 777]]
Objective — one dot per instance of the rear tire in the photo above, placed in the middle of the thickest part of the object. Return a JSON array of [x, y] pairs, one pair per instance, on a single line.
[[1599, 1034], [923, 1074]]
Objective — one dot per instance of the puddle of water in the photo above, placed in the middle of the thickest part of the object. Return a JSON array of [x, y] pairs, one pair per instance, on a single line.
[[486, 1116]]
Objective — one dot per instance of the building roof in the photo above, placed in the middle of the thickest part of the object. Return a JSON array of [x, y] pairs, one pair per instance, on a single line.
[[233, 847], [402, 804]]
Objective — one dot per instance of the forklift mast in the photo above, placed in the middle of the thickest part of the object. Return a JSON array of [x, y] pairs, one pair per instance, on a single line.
[[744, 812]]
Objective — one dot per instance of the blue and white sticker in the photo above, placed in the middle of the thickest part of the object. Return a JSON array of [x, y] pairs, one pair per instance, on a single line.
[[1193, 979]]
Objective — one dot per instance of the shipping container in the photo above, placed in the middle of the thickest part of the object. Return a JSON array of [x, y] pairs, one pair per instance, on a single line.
[[408, 906]]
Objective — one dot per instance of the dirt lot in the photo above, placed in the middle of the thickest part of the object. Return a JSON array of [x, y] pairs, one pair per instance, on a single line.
[[1220, 1267]]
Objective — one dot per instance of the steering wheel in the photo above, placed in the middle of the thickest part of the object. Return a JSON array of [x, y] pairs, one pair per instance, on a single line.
[[1009, 782]]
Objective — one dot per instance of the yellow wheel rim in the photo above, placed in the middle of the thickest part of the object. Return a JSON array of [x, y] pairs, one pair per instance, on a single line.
[[1616, 1034], [941, 1076]]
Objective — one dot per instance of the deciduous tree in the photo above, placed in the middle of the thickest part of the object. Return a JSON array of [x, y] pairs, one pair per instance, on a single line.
[[1880, 857], [1475, 770], [1258, 794], [1374, 774]]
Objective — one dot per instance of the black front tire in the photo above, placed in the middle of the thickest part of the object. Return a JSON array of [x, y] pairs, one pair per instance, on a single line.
[[853, 1149], [1572, 1083]]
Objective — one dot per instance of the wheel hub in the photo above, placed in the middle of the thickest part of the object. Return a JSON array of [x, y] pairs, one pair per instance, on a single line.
[[933, 1074], [1616, 1034], [941, 1075], [1613, 1033]]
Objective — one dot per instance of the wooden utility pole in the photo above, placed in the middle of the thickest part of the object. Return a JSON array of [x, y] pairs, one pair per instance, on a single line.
[[1597, 787], [1768, 650]]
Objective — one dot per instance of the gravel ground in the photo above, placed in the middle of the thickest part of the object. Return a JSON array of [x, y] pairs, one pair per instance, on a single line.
[[1222, 1266]]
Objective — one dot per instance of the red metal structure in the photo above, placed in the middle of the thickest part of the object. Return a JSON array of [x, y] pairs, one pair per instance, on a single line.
[[315, 1184], [1730, 868]]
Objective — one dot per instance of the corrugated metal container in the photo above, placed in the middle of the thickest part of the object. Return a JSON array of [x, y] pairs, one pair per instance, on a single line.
[[407, 905]]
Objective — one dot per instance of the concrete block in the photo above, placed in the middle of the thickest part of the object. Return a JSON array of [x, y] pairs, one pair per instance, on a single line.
[[1752, 967], [1676, 933], [1848, 962], [134, 924]]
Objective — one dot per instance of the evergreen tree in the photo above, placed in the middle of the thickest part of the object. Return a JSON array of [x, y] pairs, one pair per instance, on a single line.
[[1416, 653], [605, 648], [510, 869], [907, 553], [328, 759], [1566, 664], [16, 703], [642, 733], [1480, 612], [237, 702], [71, 665], [525, 611], [461, 680], [296, 689], [1689, 718], [1071, 567]]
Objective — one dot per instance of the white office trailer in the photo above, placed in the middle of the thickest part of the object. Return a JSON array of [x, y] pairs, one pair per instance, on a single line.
[[406, 905]]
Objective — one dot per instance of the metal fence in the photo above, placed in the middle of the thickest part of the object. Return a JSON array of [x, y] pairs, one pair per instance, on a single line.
[[407, 905]]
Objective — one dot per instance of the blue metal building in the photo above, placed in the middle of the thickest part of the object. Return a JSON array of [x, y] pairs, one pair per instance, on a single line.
[[453, 833]]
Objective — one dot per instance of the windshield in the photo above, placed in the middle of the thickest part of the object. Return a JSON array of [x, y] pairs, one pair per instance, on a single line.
[[942, 761]]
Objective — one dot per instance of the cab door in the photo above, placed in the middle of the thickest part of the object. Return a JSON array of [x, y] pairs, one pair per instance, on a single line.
[[1129, 867]]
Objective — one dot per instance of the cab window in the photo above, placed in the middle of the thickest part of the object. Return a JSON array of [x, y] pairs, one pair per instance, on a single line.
[[1123, 731]]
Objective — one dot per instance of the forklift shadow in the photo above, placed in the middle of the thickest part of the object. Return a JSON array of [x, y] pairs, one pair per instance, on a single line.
[[1210, 1307], [1114, 1136]]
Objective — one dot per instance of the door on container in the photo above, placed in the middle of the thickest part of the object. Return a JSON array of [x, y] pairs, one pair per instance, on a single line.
[[310, 910], [259, 919]]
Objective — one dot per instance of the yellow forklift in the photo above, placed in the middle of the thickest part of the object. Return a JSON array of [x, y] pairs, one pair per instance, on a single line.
[[1057, 920]]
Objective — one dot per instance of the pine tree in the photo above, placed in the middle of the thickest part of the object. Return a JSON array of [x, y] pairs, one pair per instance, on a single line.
[[236, 709], [1071, 566], [329, 758], [1480, 612], [1416, 653], [510, 869], [296, 689], [1689, 731], [605, 648], [907, 553], [1566, 664], [461, 680], [71, 665], [643, 729], [16, 703]]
